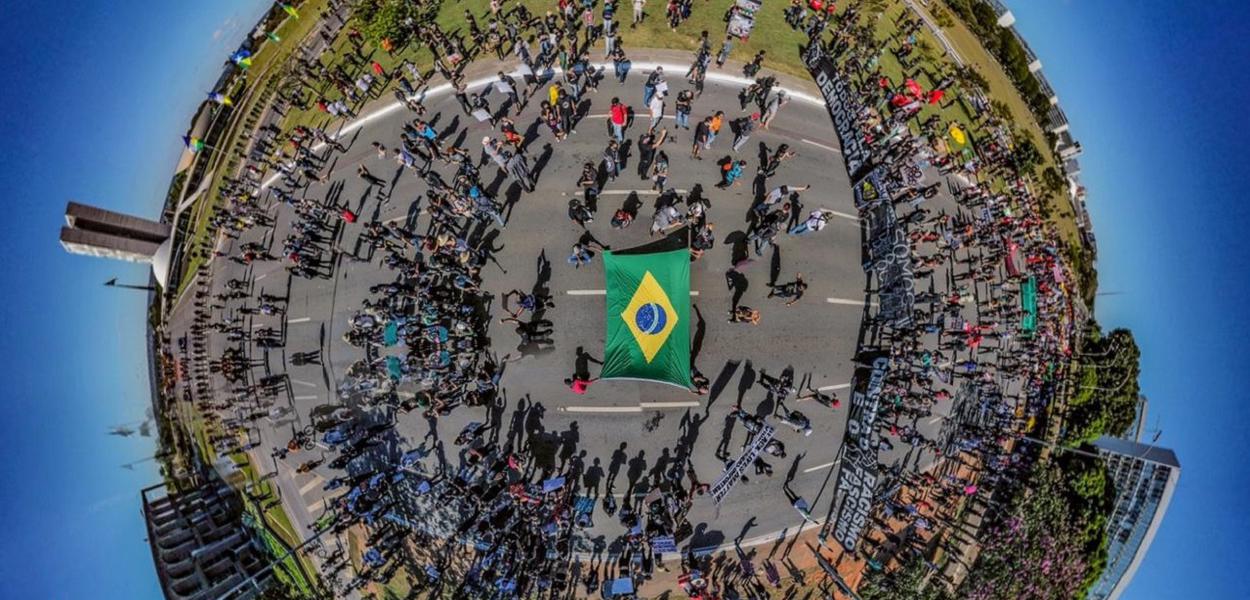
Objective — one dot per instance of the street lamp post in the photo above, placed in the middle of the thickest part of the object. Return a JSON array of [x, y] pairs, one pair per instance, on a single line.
[[113, 284]]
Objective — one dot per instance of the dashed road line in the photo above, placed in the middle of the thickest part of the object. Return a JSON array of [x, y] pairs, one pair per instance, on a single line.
[[820, 145], [687, 404], [314, 482], [299, 320], [848, 302], [303, 383], [829, 388], [601, 409], [820, 467], [305, 397]]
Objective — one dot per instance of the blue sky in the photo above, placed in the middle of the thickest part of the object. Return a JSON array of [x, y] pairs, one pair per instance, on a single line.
[[1155, 92], [95, 96]]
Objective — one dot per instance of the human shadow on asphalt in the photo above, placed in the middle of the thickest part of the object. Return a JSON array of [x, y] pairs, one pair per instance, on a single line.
[[746, 382], [721, 382], [542, 161], [700, 330]]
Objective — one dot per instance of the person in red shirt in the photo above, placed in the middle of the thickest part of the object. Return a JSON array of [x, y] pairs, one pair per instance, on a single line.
[[618, 114], [579, 384]]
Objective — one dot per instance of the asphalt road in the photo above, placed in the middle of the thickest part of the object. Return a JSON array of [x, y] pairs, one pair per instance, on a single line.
[[817, 336]]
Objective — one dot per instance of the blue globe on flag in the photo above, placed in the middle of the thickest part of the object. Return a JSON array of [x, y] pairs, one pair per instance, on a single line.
[[650, 318]]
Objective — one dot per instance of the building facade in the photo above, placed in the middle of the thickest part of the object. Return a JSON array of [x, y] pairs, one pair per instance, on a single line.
[[201, 548], [98, 232], [1145, 477]]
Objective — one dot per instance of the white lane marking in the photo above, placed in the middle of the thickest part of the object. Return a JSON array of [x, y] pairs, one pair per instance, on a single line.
[[299, 320], [820, 145], [828, 388], [687, 404], [260, 277], [848, 302], [305, 398], [639, 192], [314, 482], [844, 215], [303, 383], [602, 409], [819, 467], [605, 292], [446, 87]]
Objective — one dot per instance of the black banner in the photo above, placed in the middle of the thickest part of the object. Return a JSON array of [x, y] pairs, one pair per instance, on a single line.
[[889, 251], [843, 106], [858, 476]]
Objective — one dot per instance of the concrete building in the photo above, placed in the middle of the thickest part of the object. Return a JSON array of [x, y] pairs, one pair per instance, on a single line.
[[199, 543], [98, 232], [1145, 477]]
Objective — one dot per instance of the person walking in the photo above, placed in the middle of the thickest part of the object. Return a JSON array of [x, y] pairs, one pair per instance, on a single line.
[[743, 127], [618, 115], [774, 105], [714, 127]]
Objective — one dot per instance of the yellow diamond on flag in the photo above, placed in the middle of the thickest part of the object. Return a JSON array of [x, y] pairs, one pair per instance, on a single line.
[[650, 316]]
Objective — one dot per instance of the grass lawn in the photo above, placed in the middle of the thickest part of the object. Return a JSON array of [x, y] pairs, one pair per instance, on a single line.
[[1001, 89]]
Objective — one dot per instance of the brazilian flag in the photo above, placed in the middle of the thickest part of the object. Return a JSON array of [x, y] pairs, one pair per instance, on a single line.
[[648, 315]]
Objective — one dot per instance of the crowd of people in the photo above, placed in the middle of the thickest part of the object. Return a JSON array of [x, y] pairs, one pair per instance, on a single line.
[[523, 505]]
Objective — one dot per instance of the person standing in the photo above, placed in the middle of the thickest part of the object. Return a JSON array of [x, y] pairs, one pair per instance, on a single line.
[[683, 106], [618, 114], [714, 126], [638, 12], [702, 137], [725, 48], [519, 169], [612, 159], [620, 64], [656, 107], [655, 81]]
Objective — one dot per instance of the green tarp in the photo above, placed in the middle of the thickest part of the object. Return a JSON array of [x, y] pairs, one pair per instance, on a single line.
[[1028, 302], [648, 316]]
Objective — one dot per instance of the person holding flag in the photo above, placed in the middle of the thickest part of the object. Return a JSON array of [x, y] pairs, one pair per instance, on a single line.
[[220, 98]]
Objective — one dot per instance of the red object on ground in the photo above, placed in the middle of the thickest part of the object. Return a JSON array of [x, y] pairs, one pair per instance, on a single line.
[[348, 215]]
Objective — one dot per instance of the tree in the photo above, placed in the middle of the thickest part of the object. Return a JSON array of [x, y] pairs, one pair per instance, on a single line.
[[1026, 153], [942, 16], [969, 77], [1106, 397], [386, 19], [1053, 181], [908, 582]]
